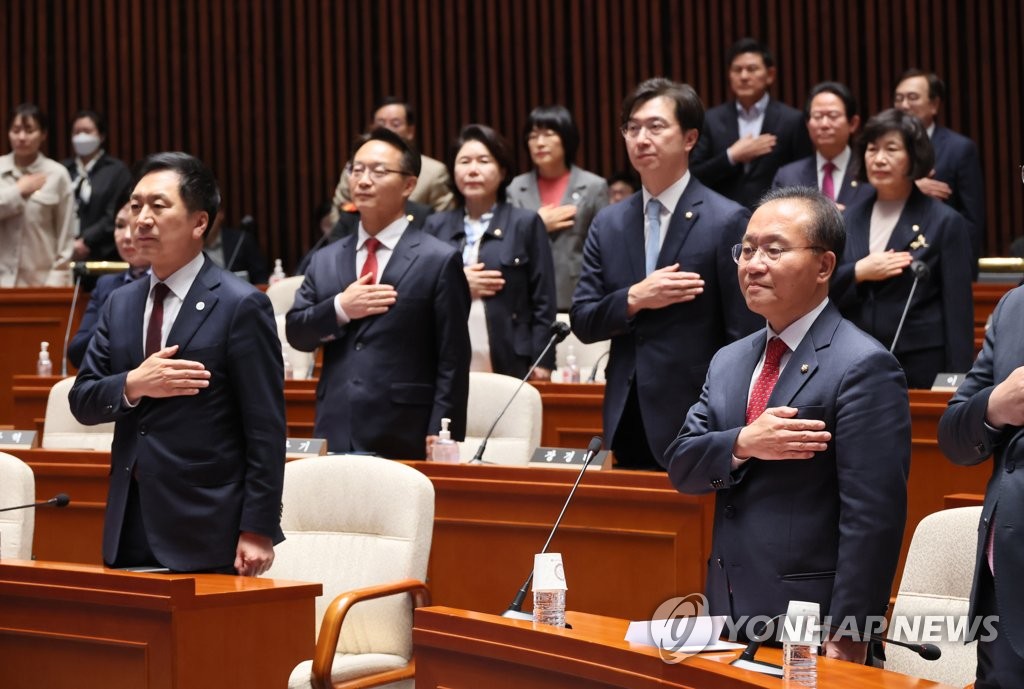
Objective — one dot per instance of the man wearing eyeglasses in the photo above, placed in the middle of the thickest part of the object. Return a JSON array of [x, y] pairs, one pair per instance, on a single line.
[[803, 431], [832, 120], [657, 278], [389, 305]]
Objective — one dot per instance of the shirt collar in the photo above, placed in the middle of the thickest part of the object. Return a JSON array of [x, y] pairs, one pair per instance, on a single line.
[[388, 237], [180, 281], [670, 197], [841, 161], [756, 110], [794, 334]]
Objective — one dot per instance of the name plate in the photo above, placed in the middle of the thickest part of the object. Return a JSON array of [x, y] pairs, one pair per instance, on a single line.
[[568, 458], [297, 448], [18, 440], [948, 382]]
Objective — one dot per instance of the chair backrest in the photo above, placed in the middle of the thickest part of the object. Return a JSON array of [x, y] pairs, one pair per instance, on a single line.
[[302, 362], [282, 293], [354, 521], [517, 435], [61, 430], [586, 354], [17, 487], [936, 581]]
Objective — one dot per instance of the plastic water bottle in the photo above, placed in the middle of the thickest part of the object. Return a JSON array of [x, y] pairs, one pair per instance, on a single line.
[[572, 368], [548, 589], [278, 273], [445, 449], [800, 664], [44, 367], [289, 370], [800, 644]]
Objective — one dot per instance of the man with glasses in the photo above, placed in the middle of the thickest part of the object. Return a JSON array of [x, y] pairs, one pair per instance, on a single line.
[[832, 120], [803, 431], [657, 278], [389, 306]]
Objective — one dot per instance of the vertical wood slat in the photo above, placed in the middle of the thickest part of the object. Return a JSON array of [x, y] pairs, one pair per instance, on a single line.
[[271, 93]]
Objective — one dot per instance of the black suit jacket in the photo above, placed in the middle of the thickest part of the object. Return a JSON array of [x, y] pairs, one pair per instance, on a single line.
[[966, 438], [109, 178], [97, 298], [664, 352], [745, 184], [804, 173], [209, 465], [958, 165], [519, 317], [388, 380]]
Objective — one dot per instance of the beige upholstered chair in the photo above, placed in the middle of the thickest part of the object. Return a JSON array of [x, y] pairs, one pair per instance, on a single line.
[[62, 431], [517, 435], [17, 487], [586, 355], [361, 526], [937, 581], [302, 362], [282, 293]]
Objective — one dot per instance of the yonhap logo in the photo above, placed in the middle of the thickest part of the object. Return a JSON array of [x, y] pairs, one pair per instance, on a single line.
[[680, 618]]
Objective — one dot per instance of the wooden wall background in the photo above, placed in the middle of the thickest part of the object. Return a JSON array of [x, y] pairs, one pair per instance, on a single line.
[[270, 92]]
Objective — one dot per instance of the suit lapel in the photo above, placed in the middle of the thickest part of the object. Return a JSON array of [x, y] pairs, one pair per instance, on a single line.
[[133, 326], [403, 256], [633, 230], [347, 261], [809, 173], [530, 190], [803, 363], [907, 228], [858, 228], [576, 190], [738, 385], [684, 217], [198, 304]]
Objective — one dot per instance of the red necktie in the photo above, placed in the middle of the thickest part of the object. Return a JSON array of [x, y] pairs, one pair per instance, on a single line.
[[766, 380], [828, 187], [156, 319], [370, 265]]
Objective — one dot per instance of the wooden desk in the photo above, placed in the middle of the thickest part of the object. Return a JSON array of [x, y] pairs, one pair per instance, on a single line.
[[572, 413], [456, 649], [88, 627]]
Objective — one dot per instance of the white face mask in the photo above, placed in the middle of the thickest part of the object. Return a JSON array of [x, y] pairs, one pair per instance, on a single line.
[[85, 144]]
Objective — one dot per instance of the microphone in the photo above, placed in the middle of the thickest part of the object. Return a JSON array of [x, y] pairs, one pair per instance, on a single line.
[[246, 225], [559, 331], [71, 316], [593, 372], [515, 608], [58, 500], [921, 273]]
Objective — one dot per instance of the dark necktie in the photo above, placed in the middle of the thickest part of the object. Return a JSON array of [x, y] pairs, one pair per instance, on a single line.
[[156, 319], [370, 265], [766, 380], [828, 185]]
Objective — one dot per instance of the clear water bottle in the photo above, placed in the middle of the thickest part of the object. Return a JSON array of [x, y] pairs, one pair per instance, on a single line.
[[44, 367], [548, 589], [800, 637], [800, 664], [289, 370], [572, 368], [549, 607]]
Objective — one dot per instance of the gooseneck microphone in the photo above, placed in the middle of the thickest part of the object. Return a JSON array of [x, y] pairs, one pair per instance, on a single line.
[[71, 316], [593, 372], [559, 331], [58, 500], [515, 608], [246, 225], [921, 273]]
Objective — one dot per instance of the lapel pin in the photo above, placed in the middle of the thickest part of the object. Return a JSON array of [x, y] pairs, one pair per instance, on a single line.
[[916, 228], [804, 368], [853, 184], [688, 215], [920, 242], [497, 232], [200, 305], [409, 217], [575, 196]]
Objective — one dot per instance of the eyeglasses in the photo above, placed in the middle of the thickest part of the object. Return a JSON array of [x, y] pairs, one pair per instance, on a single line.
[[377, 172], [744, 253], [655, 128]]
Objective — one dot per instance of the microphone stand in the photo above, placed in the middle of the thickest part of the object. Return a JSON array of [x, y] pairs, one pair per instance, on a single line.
[[71, 317], [920, 271], [593, 371], [59, 500]]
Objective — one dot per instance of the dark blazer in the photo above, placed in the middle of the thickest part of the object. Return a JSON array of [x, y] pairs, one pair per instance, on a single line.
[[826, 529], [941, 315], [710, 162], [388, 380], [804, 173], [958, 165], [586, 191], [209, 465], [109, 178], [242, 252], [97, 298], [966, 439], [665, 352], [519, 317]]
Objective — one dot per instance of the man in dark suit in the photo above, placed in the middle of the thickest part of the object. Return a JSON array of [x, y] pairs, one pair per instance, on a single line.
[[832, 119], [744, 142], [188, 365], [956, 178], [984, 420], [396, 343], [658, 278], [803, 429]]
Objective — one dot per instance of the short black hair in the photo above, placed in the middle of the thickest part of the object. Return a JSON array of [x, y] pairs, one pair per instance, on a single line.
[[689, 108], [915, 140], [97, 119], [410, 114], [558, 119], [835, 88], [827, 228], [936, 87], [626, 177], [197, 185], [29, 111], [495, 143], [411, 161], [749, 45]]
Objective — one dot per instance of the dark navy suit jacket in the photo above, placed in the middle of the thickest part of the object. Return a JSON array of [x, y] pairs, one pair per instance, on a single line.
[[826, 529], [109, 178], [966, 438], [97, 298], [710, 162], [388, 380], [665, 351], [519, 317], [209, 465], [804, 173], [958, 165]]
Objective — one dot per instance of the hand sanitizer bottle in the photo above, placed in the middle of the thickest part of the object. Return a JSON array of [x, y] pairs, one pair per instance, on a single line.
[[278, 273], [44, 367], [445, 449]]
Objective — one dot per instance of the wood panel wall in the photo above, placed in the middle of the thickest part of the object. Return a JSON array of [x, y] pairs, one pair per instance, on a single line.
[[271, 92]]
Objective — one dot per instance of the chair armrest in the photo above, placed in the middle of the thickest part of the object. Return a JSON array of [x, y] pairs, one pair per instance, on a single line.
[[330, 632]]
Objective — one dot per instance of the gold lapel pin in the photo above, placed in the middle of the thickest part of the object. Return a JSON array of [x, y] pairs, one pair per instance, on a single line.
[[804, 368]]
